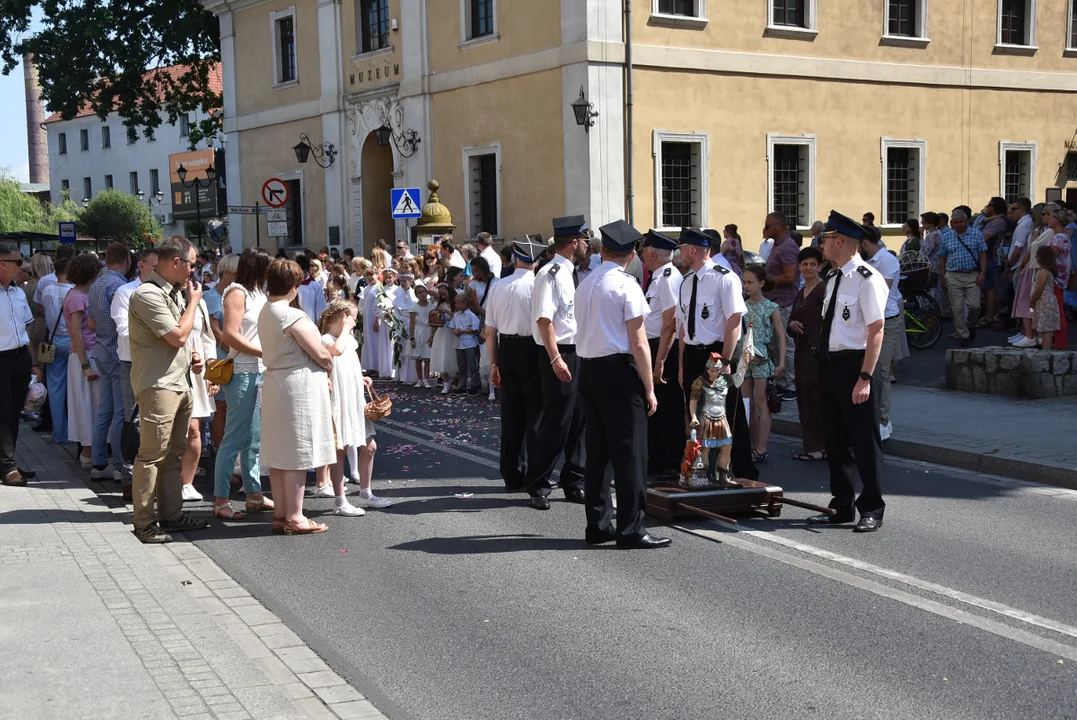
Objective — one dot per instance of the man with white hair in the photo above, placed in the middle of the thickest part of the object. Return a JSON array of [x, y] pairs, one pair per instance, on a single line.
[[963, 273], [486, 250], [817, 229]]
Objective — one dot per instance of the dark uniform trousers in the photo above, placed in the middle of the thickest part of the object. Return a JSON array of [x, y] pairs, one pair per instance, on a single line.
[[695, 362], [560, 426], [846, 426], [665, 429], [521, 406], [616, 409], [14, 382]]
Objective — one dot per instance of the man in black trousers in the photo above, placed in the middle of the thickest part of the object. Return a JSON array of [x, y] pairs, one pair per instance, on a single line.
[[15, 363], [514, 362], [709, 311]]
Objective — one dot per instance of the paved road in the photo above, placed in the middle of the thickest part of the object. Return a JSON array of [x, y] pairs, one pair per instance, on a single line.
[[477, 607]]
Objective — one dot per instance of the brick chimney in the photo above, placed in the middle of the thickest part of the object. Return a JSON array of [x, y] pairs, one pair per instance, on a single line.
[[36, 138]]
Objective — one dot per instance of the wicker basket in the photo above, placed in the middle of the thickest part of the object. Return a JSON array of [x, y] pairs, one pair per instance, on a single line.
[[378, 406]]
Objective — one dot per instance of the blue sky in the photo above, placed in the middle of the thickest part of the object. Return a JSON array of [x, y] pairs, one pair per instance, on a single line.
[[13, 126]]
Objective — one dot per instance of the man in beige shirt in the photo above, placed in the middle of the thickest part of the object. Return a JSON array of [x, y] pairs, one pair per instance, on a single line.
[[160, 319]]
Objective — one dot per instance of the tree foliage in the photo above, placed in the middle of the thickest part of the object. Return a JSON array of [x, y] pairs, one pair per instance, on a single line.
[[103, 54], [117, 216], [20, 212]]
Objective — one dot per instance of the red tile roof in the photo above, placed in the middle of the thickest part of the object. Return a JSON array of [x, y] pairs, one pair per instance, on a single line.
[[216, 84]]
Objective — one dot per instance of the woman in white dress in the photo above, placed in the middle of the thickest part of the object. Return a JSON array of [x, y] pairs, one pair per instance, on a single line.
[[200, 341], [402, 303], [295, 394], [83, 390], [479, 289], [377, 345], [420, 338], [443, 347]]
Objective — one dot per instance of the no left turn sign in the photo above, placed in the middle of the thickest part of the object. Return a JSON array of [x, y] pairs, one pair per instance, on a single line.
[[275, 192]]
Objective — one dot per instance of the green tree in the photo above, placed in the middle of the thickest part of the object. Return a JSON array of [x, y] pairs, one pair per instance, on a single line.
[[117, 216], [19, 211], [103, 55]]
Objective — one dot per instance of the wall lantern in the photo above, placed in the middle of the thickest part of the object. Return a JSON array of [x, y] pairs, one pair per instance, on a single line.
[[324, 155], [406, 142], [585, 112]]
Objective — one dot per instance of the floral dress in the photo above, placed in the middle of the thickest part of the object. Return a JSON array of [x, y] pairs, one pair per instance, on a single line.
[[761, 366]]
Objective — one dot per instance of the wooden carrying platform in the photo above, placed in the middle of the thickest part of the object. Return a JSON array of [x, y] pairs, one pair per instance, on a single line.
[[671, 503]]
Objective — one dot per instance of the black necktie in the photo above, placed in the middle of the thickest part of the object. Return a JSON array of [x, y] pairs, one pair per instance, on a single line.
[[575, 277], [692, 309], [828, 318]]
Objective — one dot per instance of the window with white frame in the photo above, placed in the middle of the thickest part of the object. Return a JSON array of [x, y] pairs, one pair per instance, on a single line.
[[906, 18], [61, 139], [132, 136], [108, 182], [84, 139], [791, 177], [482, 173], [680, 162], [87, 188], [132, 179], [1017, 170], [1071, 27], [185, 125], [282, 26], [904, 173], [791, 14], [373, 19], [155, 182], [1016, 23], [479, 19], [65, 187], [681, 8], [106, 137]]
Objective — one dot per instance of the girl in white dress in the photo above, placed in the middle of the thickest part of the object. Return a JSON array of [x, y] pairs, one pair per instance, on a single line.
[[200, 341], [420, 336], [479, 289], [352, 430], [405, 298], [377, 341], [443, 348]]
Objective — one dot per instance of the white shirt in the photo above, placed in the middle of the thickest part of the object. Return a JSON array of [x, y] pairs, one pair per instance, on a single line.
[[253, 302], [15, 315], [1022, 234], [42, 285], [312, 300], [493, 260], [508, 308], [764, 249], [53, 302], [661, 296], [607, 300], [121, 304], [482, 290], [457, 260], [553, 298], [465, 320], [719, 295], [861, 301], [890, 268]]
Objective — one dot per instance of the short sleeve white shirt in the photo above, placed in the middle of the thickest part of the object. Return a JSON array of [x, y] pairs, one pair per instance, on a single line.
[[553, 298], [861, 301], [890, 268], [508, 306], [53, 302], [121, 304], [661, 296], [493, 260], [719, 295], [15, 315], [606, 301]]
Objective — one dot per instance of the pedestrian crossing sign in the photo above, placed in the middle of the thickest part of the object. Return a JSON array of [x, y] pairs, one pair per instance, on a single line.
[[405, 202]]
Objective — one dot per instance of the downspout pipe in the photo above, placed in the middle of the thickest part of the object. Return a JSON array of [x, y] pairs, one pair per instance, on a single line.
[[629, 191]]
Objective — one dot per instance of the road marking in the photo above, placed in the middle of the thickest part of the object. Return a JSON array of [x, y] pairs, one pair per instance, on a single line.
[[395, 430], [789, 558], [441, 438]]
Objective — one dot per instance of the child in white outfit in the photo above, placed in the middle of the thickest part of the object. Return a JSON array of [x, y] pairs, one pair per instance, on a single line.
[[465, 326]]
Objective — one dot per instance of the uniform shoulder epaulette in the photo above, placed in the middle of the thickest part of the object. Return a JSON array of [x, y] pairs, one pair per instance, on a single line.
[[668, 272], [554, 269], [721, 269], [864, 272]]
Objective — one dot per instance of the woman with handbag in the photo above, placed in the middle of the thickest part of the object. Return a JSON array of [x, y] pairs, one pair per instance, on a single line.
[[296, 396], [52, 300], [83, 390], [353, 423], [766, 320], [240, 375], [200, 341]]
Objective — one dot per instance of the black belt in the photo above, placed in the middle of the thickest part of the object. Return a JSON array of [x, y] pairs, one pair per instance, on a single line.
[[566, 348], [16, 351], [620, 357], [842, 354], [517, 337], [712, 347]]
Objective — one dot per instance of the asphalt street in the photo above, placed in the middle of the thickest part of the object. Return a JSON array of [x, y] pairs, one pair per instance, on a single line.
[[462, 603]]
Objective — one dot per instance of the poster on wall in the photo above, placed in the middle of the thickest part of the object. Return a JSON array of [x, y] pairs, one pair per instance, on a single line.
[[186, 205]]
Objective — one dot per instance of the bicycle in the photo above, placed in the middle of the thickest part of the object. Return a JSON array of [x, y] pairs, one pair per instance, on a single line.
[[923, 317]]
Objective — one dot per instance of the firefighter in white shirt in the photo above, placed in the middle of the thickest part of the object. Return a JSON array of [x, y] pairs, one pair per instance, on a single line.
[[617, 392]]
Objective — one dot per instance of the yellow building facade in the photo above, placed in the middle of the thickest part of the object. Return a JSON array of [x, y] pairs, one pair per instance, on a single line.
[[890, 106]]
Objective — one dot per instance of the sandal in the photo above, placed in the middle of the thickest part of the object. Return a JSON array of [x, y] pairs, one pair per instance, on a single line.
[[225, 512], [759, 456], [308, 528], [809, 457], [262, 505], [278, 526]]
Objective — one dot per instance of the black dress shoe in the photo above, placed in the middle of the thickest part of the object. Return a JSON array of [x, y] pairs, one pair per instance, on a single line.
[[539, 502], [574, 495], [600, 538], [868, 524], [643, 542], [838, 519], [28, 474]]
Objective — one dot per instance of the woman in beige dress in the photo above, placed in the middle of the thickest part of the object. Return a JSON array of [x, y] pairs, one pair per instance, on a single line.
[[295, 399], [200, 341]]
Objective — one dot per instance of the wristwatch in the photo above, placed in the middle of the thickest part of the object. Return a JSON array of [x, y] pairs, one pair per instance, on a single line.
[[866, 376], [85, 366]]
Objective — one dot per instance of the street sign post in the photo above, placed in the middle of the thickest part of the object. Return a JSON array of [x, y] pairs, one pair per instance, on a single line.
[[278, 229], [246, 209], [67, 232], [405, 202], [275, 192], [277, 216]]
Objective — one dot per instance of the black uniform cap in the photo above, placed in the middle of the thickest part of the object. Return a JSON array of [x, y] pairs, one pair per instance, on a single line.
[[527, 250], [716, 238], [845, 225], [571, 225], [694, 236], [619, 236], [658, 241]]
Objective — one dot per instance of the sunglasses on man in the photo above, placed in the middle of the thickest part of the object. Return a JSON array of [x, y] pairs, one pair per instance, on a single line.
[[16, 261]]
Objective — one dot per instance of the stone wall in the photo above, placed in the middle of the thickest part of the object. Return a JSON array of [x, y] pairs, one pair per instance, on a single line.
[[1012, 372]]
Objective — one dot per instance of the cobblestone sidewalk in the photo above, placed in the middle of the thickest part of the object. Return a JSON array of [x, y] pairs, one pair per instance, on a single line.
[[97, 625]]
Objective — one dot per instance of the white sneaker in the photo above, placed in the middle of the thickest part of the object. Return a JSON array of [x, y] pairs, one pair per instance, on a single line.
[[885, 431], [372, 502], [348, 510], [427, 384], [1025, 342], [324, 491], [418, 384], [85, 462], [445, 389], [492, 397], [105, 473], [190, 494], [1014, 338]]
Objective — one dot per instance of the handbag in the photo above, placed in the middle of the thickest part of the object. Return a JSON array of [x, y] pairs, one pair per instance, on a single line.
[[46, 351], [130, 437], [774, 401], [219, 372], [378, 406]]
